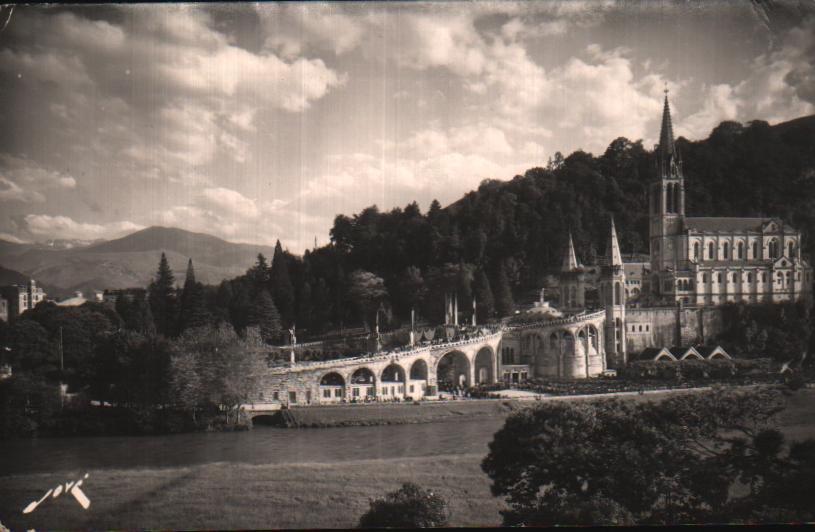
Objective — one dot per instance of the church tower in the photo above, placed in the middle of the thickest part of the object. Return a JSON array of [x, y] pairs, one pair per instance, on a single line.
[[666, 201], [612, 286], [572, 281]]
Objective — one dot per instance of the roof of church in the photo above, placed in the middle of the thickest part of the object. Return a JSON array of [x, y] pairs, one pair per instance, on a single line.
[[613, 253], [569, 258], [707, 224], [667, 149]]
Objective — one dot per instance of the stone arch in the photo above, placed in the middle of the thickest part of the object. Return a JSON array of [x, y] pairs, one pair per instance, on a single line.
[[392, 381], [332, 379], [594, 338], [568, 343], [484, 366], [418, 370], [393, 372], [452, 370], [582, 340], [363, 383], [332, 387]]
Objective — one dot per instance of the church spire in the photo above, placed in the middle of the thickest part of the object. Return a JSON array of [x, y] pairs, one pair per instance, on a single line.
[[570, 259], [667, 156], [613, 255]]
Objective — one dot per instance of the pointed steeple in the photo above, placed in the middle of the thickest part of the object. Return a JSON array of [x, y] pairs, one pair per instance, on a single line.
[[613, 254], [570, 259], [667, 156]]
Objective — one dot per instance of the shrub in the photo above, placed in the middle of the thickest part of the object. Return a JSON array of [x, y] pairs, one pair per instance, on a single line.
[[408, 507]]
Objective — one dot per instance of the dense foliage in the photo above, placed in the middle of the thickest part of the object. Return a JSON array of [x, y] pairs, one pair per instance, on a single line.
[[700, 458], [408, 507]]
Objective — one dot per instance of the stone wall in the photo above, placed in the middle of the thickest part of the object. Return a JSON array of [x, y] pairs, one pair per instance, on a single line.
[[670, 326]]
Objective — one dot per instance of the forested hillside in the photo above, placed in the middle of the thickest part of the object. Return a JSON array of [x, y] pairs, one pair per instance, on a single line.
[[514, 232]]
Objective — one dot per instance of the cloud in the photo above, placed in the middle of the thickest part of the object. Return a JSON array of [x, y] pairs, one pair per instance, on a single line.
[[63, 227], [293, 29], [229, 202], [175, 91], [780, 86], [27, 181]]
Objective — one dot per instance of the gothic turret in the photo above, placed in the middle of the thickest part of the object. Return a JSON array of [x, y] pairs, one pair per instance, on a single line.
[[612, 287], [572, 281], [570, 258]]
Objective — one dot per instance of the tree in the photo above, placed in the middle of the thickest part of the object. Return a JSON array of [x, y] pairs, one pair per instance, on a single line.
[[408, 507], [366, 291], [193, 311], [504, 305], [135, 313], [260, 274], [666, 462], [162, 298], [263, 314], [212, 365], [485, 305], [282, 289]]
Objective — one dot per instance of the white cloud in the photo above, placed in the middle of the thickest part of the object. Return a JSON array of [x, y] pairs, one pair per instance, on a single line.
[[64, 227], [229, 202], [25, 180], [779, 87], [293, 28]]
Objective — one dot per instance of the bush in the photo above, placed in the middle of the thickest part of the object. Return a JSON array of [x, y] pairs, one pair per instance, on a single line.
[[408, 507]]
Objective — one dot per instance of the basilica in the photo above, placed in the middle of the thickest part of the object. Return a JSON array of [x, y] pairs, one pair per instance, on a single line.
[[696, 264]]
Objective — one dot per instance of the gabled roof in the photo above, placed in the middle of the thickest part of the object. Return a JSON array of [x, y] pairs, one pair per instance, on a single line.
[[711, 224], [709, 351], [655, 353]]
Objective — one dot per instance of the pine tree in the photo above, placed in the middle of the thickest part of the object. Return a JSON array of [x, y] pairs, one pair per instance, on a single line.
[[282, 290], [259, 274], [263, 314], [485, 303], [162, 298], [192, 309], [504, 305]]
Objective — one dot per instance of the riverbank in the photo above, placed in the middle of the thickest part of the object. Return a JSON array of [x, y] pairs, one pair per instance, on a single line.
[[324, 416]]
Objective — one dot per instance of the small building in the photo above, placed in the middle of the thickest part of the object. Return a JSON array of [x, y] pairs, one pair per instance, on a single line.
[[676, 353], [77, 300]]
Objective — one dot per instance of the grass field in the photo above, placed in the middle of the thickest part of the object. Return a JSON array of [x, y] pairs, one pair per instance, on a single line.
[[301, 495]]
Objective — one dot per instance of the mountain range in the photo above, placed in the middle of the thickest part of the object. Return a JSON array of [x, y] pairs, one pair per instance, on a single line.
[[130, 261]]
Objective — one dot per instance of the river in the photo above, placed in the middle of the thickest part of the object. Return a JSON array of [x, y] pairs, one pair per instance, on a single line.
[[262, 445]]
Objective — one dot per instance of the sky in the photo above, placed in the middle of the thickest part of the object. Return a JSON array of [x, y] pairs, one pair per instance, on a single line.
[[258, 122]]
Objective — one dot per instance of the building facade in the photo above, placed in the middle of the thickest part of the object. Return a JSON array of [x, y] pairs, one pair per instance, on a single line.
[[20, 298], [709, 261]]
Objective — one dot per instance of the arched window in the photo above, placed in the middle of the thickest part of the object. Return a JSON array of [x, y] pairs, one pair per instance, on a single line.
[[726, 251], [741, 250], [696, 250], [553, 341], [789, 277], [676, 197], [710, 251], [764, 277], [749, 277], [791, 248], [755, 250], [735, 278], [704, 277], [573, 296], [618, 300], [773, 249], [670, 200], [719, 278]]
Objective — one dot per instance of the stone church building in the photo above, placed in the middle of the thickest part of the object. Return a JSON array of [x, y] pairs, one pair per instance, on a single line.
[[696, 264]]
